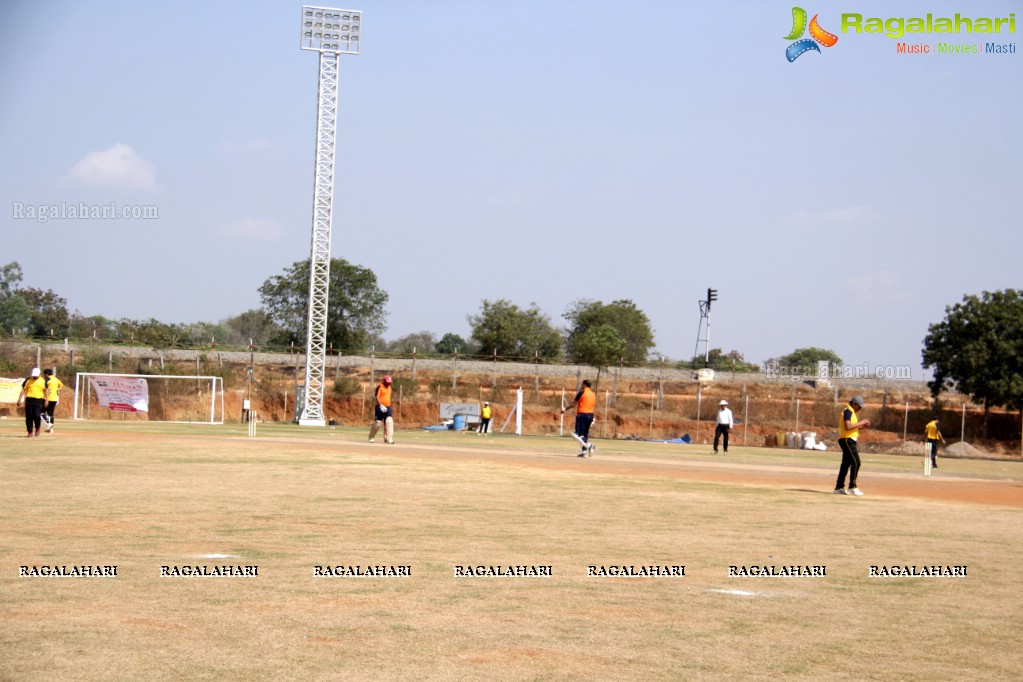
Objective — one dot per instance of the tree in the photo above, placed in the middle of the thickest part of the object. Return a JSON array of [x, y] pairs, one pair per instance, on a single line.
[[206, 333], [719, 360], [451, 343], [152, 333], [15, 314], [355, 304], [48, 312], [28, 310], [599, 347], [419, 342], [95, 327], [631, 324], [806, 359], [253, 326], [514, 332], [978, 349]]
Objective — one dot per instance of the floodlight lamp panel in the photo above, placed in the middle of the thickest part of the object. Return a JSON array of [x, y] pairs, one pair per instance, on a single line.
[[325, 29]]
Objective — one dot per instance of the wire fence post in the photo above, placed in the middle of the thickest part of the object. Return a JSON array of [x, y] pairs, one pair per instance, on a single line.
[[745, 417]]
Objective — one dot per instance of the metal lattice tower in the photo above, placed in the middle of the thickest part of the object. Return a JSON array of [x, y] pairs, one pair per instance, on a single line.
[[712, 295], [331, 32]]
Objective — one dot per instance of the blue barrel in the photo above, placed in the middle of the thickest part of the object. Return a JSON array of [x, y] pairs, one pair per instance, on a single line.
[[459, 422]]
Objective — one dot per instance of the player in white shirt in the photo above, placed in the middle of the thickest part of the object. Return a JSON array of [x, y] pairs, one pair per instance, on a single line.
[[725, 423]]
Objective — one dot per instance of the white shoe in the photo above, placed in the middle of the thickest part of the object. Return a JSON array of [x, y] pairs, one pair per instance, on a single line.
[[390, 442], [591, 448], [840, 491], [372, 441], [49, 429], [855, 491]]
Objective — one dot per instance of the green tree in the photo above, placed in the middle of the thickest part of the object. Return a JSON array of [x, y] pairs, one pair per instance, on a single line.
[[599, 347], [514, 332], [978, 350], [95, 327], [631, 324], [420, 342], [29, 310], [48, 312], [717, 359], [805, 360], [15, 313], [355, 304], [253, 326], [199, 334], [152, 333], [451, 343]]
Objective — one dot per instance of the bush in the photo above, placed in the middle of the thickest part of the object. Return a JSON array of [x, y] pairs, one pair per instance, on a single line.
[[404, 386], [9, 362], [440, 386], [347, 387], [92, 358]]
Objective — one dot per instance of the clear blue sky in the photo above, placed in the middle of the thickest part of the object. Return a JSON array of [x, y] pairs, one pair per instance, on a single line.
[[539, 151]]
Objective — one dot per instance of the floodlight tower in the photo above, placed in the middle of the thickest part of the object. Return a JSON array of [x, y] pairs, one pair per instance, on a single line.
[[332, 33], [712, 295]]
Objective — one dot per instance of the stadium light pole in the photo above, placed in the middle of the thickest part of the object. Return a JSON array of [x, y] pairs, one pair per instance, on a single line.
[[332, 33], [712, 295]]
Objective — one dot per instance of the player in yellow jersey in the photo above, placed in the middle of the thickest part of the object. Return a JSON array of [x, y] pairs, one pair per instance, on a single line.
[[584, 404], [53, 386], [485, 415], [933, 433], [849, 426], [33, 392]]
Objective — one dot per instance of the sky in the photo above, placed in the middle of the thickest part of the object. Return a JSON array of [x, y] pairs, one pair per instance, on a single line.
[[540, 151]]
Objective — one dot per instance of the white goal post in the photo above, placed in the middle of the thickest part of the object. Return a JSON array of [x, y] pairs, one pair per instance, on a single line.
[[149, 397]]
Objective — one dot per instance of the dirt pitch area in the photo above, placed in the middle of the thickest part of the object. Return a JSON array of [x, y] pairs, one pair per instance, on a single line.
[[154, 500]]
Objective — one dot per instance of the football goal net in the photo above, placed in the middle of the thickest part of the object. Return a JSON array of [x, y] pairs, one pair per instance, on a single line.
[[149, 397]]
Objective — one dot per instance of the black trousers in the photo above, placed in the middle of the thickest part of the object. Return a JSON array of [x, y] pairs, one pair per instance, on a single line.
[[34, 413], [583, 422], [721, 431], [850, 462]]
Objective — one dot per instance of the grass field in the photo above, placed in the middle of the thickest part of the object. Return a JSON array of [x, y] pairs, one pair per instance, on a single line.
[[144, 496]]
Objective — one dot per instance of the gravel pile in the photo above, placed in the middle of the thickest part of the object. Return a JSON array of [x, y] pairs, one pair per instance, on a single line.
[[962, 450]]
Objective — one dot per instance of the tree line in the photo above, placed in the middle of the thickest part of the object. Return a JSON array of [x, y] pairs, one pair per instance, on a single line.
[[977, 349]]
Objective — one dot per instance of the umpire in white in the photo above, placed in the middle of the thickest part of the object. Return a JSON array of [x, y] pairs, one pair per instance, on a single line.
[[725, 423]]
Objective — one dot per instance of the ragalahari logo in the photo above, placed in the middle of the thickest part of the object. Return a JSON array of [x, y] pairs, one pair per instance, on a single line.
[[817, 35]]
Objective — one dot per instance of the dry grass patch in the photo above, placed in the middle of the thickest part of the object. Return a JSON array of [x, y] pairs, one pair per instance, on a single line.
[[292, 499]]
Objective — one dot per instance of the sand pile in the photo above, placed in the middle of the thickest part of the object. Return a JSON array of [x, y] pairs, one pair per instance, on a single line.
[[962, 450], [906, 448]]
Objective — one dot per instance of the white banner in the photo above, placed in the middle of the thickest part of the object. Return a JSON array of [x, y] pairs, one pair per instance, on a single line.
[[449, 410], [121, 394], [10, 389]]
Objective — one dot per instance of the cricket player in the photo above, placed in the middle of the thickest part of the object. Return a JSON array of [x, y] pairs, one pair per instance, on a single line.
[[382, 413], [849, 426], [584, 404], [933, 433]]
